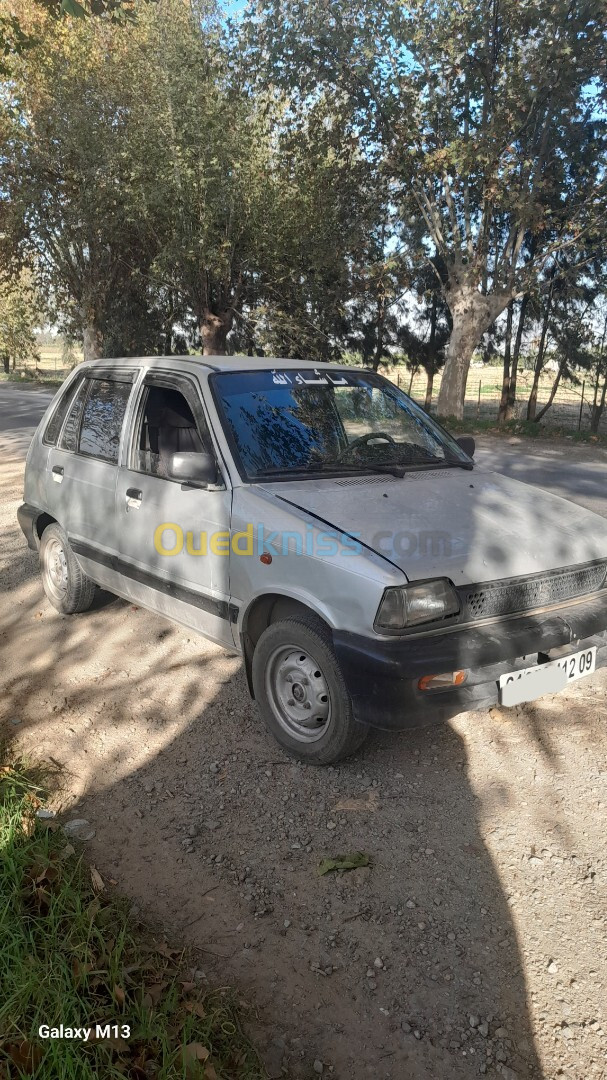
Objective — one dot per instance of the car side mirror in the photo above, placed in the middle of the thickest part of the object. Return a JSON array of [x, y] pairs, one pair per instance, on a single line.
[[467, 444], [193, 468]]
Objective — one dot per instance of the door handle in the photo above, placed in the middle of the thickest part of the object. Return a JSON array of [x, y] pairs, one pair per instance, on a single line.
[[57, 474], [133, 498]]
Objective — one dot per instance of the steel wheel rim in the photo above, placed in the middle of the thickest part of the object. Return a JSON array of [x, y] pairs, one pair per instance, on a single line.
[[55, 569], [298, 693]]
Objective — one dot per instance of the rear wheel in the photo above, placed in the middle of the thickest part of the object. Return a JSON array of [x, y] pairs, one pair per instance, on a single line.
[[65, 584], [301, 692]]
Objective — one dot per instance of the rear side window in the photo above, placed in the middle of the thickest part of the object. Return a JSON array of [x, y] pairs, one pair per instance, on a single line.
[[66, 397], [102, 419]]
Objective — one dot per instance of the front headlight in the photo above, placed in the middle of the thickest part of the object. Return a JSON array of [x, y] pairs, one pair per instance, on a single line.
[[408, 605]]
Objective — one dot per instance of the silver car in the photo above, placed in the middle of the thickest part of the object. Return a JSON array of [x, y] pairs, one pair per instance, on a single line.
[[315, 520]]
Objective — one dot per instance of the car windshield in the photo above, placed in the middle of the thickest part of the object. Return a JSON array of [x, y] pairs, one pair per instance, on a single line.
[[290, 422]]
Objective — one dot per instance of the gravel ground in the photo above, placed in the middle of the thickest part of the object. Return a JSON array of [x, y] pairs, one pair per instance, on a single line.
[[473, 944]]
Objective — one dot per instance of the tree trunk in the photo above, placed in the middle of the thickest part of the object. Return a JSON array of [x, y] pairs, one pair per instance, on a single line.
[[501, 415], [539, 361], [472, 314], [92, 338], [553, 391], [516, 352], [429, 386], [214, 330], [379, 341], [6, 360], [598, 409]]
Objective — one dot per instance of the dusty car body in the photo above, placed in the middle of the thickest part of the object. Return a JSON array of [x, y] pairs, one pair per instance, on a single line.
[[315, 520]]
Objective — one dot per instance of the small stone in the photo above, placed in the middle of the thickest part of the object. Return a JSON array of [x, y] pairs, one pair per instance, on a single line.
[[566, 1032], [474, 1021], [372, 984], [451, 936], [378, 962], [44, 814], [552, 968], [79, 828], [417, 1034], [318, 1067], [211, 825], [483, 1029], [15, 721], [331, 825], [410, 904], [501, 1033], [406, 1027], [286, 924], [214, 767]]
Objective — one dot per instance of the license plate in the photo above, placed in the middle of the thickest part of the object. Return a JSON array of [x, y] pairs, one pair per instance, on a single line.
[[519, 686]]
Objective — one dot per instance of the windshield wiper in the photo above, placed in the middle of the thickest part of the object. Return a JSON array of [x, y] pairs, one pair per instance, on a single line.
[[393, 468]]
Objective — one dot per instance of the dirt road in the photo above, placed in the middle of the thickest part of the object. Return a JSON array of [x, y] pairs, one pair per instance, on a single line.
[[474, 944]]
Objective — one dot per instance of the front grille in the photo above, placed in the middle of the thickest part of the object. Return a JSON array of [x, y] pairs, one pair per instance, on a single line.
[[525, 594]]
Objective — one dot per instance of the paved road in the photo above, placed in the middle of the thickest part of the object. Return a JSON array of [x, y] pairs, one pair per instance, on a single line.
[[20, 412], [575, 472]]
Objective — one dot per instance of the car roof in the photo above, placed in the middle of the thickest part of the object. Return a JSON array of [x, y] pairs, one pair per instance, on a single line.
[[214, 363]]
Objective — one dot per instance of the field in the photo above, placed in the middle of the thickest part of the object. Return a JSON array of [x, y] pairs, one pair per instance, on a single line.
[[571, 409]]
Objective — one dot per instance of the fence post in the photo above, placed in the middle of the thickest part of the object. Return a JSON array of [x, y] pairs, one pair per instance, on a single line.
[[579, 426], [398, 379], [478, 407]]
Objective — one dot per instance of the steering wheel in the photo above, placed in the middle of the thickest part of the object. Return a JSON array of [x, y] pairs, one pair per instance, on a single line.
[[362, 440]]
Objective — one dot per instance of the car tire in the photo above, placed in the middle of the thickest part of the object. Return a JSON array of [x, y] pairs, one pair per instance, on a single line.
[[301, 692], [65, 584]]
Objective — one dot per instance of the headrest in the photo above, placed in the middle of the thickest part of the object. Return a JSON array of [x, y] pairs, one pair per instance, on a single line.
[[170, 410]]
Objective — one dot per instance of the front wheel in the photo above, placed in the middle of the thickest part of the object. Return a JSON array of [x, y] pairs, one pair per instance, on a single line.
[[65, 584], [301, 692]]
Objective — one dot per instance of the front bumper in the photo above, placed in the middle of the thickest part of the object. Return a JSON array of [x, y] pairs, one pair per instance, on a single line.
[[382, 675]]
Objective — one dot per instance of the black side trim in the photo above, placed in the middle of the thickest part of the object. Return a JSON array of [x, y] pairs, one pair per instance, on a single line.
[[221, 608]]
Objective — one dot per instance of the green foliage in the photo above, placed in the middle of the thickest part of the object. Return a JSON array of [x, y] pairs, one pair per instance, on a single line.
[[19, 315], [487, 118], [71, 955], [381, 179]]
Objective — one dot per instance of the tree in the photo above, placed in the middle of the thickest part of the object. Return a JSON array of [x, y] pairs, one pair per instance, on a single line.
[[487, 115], [19, 315], [599, 366], [69, 204], [566, 323]]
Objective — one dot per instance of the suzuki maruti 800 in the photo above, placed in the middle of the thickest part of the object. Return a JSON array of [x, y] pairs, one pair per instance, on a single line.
[[320, 523]]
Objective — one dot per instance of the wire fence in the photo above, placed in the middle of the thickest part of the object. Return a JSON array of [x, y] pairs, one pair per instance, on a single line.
[[571, 408]]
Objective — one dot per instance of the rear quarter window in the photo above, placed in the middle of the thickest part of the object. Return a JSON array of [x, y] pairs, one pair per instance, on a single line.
[[64, 400], [71, 429]]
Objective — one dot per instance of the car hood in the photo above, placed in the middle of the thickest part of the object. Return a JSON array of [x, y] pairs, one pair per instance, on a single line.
[[469, 526]]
